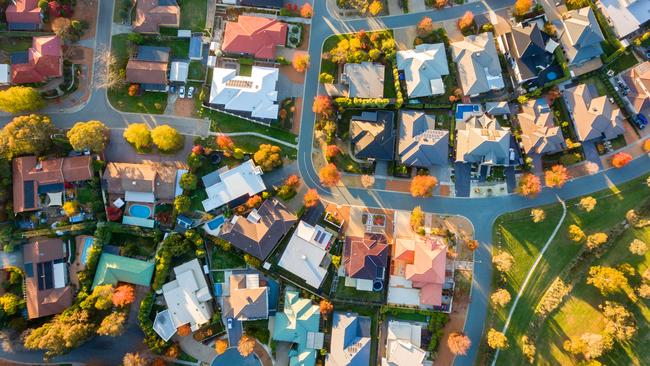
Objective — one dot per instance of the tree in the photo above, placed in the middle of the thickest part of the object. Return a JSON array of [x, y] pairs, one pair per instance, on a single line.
[[422, 185], [646, 145], [501, 297], [11, 303], [576, 234], [221, 345], [252, 261], [466, 21], [326, 308], [638, 247], [472, 244], [606, 279], [329, 176], [375, 7], [184, 330], [590, 345], [331, 151], [113, 324], [644, 291], [538, 215], [425, 26], [306, 11], [588, 203], [496, 339], [550, 28], [20, 99], [167, 138], [300, 62], [226, 144], [71, 208], [417, 218], [254, 202], [292, 181], [621, 159], [557, 175], [134, 359], [326, 78], [367, 181], [64, 332], [619, 322], [374, 54], [62, 27], [100, 299], [246, 345], [138, 135], [311, 198], [176, 244], [123, 295], [182, 203], [522, 7], [336, 261], [631, 217], [108, 74], [323, 105], [188, 181], [458, 343], [91, 135], [503, 261], [595, 240], [529, 185], [440, 3], [134, 89], [528, 348], [268, 157], [26, 135]]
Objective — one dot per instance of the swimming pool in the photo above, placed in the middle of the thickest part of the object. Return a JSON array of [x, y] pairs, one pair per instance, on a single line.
[[461, 109], [141, 211], [232, 357], [551, 75], [215, 223], [88, 242]]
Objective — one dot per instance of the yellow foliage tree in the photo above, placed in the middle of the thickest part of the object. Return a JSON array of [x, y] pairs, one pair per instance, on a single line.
[[91, 135], [496, 339], [523, 6], [138, 135], [166, 138], [71, 208], [20, 99], [375, 7]]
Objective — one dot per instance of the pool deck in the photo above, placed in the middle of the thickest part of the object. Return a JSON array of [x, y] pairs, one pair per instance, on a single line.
[[77, 266]]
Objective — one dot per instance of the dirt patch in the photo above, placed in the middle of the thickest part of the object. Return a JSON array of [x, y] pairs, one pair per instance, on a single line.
[[184, 107], [87, 11], [291, 74], [398, 185]]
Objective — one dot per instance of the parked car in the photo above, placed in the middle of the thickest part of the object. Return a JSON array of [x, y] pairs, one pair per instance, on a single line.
[[229, 321], [181, 91], [190, 92], [172, 89], [641, 121]]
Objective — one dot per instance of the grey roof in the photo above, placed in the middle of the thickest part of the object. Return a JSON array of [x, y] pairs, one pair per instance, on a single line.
[[539, 134], [151, 53], [179, 71], [351, 340], [480, 139], [423, 69], [420, 144], [593, 116], [366, 79], [582, 36], [478, 64], [373, 135], [527, 46], [497, 108], [627, 16]]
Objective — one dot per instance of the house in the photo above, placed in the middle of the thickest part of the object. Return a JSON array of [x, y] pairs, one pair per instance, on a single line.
[[351, 340], [372, 135], [531, 51], [112, 269], [627, 17], [179, 71], [299, 324], [33, 178], [365, 260], [224, 186], [420, 143], [41, 62], [365, 80], [478, 64], [149, 68], [188, 300], [480, 139], [594, 117], [306, 254], [5, 74], [637, 80], [253, 96], [259, 232], [23, 15], [254, 36], [47, 289], [403, 345], [497, 108], [581, 37], [423, 69], [150, 15], [248, 298], [539, 134]]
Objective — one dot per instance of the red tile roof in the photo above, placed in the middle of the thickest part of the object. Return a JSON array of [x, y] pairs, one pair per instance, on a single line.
[[254, 36], [24, 11], [150, 15], [146, 72], [365, 257], [45, 61]]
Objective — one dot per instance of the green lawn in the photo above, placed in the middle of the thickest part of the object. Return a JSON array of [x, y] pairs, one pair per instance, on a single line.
[[523, 239], [15, 44], [222, 122], [250, 144], [226, 260], [245, 69], [85, 195], [148, 102], [345, 162], [626, 60], [196, 71], [196, 199], [193, 13], [180, 47], [389, 83], [259, 329], [344, 292]]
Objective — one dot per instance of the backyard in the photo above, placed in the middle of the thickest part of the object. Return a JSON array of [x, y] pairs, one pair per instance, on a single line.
[[193, 13], [196, 71], [15, 44], [344, 292], [222, 259]]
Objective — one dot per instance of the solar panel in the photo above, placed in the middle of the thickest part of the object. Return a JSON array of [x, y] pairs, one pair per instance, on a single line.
[[45, 276], [28, 188]]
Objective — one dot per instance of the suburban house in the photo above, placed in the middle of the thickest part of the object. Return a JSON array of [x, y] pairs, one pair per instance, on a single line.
[[539, 134], [150, 15], [581, 37], [364, 80], [306, 254], [41, 62], [178, 72], [38, 184], [403, 345], [47, 289], [112, 269], [497, 108], [148, 67], [351, 340], [23, 15], [531, 51], [248, 298], [480, 139], [365, 260], [299, 324], [253, 96], [627, 17], [270, 4], [423, 69], [259, 232], [254, 36], [478, 64], [594, 117], [420, 143], [188, 300], [638, 80], [372, 135], [225, 185]]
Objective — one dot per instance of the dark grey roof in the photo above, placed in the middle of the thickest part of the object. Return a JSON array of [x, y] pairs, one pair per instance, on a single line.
[[420, 144], [153, 53], [262, 3], [527, 46], [373, 135]]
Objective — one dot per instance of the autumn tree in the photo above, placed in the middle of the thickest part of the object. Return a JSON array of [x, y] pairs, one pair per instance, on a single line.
[[417, 218], [496, 339], [631, 217], [472, 244], [500, 297], [529, 185], [323, 105], [311, 198], [425, 26], [557, 175], [268, 157], [576, 234], [300, 62], [528, 348], [422, 185], [367, 181], [621, 159], [644, 291], [91, 135], [254, 202], [522, 7], [246, 345], [375, 7], [538, 215], [326, 308], [439, 4], [113, 324], [226, 144], [182, 204], [589, 345], [64, 332], [326, 78], [71, 208], [188, 181], [292, 181], [133, 90], [123, 295], [20, 99], [26, 135], [606, 279], [588, 203], [331, 151], [503, 261], [619, 322], [595, 240], [306, 10], [466, 21], [221, 345], [646, 145], [329, 175], [167, 138], [638, 247], [139, 136], [458, 343], [184, 330], [134, 359], [11, 303]]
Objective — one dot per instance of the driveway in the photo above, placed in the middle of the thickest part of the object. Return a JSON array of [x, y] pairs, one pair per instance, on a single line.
[[404, 37], [287, 88], [591, 153], [120, 150], [462, 173], [235, 333], [416, 6]]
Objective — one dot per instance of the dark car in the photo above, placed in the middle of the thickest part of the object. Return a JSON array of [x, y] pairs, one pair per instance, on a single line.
[[641, 121]]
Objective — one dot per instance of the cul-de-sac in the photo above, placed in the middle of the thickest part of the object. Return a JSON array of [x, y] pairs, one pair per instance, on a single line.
[[325, 182]]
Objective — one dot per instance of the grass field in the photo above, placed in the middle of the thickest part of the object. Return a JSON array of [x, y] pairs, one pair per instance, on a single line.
[[193, 13], [196, 71], [148, 102], [15, 44], [222, 122]]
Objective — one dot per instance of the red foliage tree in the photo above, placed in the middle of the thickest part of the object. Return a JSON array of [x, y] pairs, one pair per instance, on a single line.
[[331, 151], [422, 185], [621, 159], [556, 176], [329, 175], [323, 105], [226, 144], [254, 202], [198, 150], [113, 213], [292, 181], [529, 185], [123, 295], [311, 198]]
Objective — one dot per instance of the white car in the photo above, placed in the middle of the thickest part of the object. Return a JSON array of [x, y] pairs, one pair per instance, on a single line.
[[181, 92], [190, 92], [229, 321]]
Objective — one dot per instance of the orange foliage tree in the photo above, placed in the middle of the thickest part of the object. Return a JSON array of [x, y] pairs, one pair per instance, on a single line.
[[523, 6], [331, 151], [441, 3], [306, 11], [425, 26], [311, 198], [226, 144], [254, 202], [466, 21], [556, 176], [529, 185], [323, 105], [123, 295], [621, 159], [326, 308], [133, 90], [184, 330], [292, 181], [422, 185], [646, 145], [246, 345], [221, 345], [458, 343], [300, 62], [329, 175]]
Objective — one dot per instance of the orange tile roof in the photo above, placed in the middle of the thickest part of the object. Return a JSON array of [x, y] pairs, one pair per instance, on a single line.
[[256, 36], [150, 15], [427, 268]]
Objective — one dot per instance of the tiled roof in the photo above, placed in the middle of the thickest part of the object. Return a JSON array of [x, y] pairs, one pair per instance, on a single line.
[[420, 144], [255, 36], [593, 116], [159, 178], [539, 134], [150, 15], [112, 269], [44, 61], [373, 135], [23, 11], [299, 321], [367, 257]]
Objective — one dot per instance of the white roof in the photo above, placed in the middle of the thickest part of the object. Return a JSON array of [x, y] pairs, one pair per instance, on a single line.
[[403, 344], [403, 295], [118, 202], [60, 275], [626, 15], [188, 297], [256, 94], [184, 33], [131, 196], [234, 183], [304, 253], [179, 173], [56, 199], [178, 71], [163, 325], [423, 68], [4, 74]]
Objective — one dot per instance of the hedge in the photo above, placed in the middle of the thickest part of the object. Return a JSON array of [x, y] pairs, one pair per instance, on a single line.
[[347, 102], [151, 338]]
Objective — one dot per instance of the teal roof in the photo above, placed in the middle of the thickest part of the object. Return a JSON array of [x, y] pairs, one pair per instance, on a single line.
[[299, 318], [112, 269]]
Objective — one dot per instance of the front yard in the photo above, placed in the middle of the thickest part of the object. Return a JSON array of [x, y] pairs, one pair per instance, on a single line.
[[147, 102]]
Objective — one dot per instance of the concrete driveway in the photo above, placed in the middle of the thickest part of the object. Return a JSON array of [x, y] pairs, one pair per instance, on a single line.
[[404, 37]]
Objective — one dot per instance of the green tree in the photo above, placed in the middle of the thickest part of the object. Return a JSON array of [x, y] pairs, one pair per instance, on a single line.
[[91, 135], [176, 244], [268, 157], [20, 99], [11, 303], [166, 138], [27, 135], [182, 204], [188, 181], [138, 135], [66, 331], [252, 261]]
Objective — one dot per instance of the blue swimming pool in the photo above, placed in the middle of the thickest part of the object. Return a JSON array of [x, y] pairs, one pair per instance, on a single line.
[[551, 75], [141, 211], [215, 223], [88, 242], [232, 357], [465, 108]]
